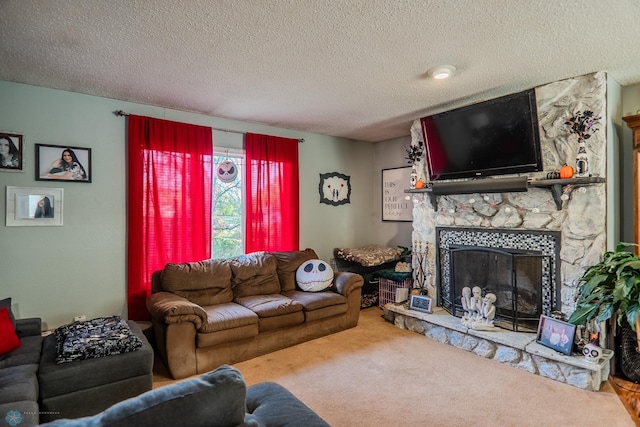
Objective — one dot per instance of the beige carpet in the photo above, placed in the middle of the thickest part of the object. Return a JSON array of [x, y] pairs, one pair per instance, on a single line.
[[379, 375]]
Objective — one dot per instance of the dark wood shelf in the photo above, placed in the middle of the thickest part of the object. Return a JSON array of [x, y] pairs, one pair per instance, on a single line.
[[554, 185]]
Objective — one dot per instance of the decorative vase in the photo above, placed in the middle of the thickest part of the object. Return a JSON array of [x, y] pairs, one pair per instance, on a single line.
[[582, 161]]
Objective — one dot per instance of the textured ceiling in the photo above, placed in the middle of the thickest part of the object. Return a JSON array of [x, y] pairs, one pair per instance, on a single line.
[[347, 68]]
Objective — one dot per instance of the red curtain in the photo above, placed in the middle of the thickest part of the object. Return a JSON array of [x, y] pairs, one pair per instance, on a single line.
[[169, 201], [272, 210]]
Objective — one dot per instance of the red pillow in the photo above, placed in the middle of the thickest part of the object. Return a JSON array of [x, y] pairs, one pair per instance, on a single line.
[[9, 341]]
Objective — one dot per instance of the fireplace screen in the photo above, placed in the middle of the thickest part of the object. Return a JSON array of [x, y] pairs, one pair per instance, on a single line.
[[514, 276]]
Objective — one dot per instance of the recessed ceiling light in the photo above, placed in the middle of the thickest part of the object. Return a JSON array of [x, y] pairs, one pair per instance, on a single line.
[[441, 72]]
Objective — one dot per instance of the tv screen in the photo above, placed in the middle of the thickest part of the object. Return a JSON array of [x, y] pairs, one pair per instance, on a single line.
[[495, 137]]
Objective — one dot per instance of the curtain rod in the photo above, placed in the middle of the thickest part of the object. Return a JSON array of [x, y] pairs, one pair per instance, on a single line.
[[121, 113]]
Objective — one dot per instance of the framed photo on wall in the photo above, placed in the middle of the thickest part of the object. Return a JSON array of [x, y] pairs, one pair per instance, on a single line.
[[396, 204], [63, 163], [11, 152], [556, 334], [33, 206]]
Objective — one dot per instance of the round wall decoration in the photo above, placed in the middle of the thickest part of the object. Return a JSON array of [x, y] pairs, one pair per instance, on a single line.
[[227, 171]]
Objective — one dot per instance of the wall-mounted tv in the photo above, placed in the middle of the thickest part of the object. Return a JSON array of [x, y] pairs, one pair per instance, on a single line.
[[495, 137]]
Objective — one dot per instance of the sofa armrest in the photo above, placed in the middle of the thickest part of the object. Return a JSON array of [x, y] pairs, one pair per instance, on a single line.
[[270, 404], [29, 327], [171, 308], [346, 282]]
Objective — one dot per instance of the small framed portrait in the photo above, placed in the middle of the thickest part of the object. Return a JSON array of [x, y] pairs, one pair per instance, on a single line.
[[334, 188], [63, 163], [556, 334], [11, 150], [34, 206], [420, 303]]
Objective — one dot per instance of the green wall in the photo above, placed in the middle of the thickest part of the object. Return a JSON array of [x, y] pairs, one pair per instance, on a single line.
[[57, 273]]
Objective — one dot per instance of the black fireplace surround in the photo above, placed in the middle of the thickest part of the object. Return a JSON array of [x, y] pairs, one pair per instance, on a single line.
[[520, 267]]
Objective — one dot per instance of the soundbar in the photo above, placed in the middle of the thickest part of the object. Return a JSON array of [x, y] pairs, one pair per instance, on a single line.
[[485, 185]]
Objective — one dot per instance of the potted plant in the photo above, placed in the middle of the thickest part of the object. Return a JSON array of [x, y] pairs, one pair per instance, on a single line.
[[612, 287]]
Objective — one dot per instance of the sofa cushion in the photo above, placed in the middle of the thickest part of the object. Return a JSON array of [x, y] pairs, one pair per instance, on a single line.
[[10, 340], [19, 383], [270, 305], [287, 264], [254, 274], [205, 282], [27, 353], [227, 316], [317, 300], [213, 399]]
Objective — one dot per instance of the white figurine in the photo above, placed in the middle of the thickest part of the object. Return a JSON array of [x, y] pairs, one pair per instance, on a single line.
[[465, 299]]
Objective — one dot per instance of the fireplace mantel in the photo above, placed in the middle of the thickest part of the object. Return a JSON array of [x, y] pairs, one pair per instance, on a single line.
[[500, 185]]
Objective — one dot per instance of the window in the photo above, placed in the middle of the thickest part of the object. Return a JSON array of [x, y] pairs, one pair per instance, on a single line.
[[227, 220]]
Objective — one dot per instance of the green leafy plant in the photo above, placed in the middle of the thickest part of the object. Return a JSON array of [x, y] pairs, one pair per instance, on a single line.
[[609, 287]]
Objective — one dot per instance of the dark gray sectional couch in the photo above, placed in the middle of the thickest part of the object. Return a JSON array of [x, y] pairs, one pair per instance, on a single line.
[[34, 388], [19, 387]]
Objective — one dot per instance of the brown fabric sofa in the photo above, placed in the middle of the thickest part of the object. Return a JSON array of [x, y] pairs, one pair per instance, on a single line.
[[224, 311]]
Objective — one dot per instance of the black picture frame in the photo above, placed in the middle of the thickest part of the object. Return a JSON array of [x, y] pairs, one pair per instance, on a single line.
[[420, 303], [334, 188], [50, 168], [556, 334], [14, 159], [396, 204]]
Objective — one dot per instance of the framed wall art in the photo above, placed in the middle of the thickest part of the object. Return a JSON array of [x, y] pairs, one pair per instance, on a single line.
[[11, 152], [420, 303], [556, 334], [396, 205], [34, 206], [63, 163], [335, 188]]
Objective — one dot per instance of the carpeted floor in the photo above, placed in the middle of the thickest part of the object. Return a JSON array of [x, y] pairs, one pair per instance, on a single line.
[[379, 375]]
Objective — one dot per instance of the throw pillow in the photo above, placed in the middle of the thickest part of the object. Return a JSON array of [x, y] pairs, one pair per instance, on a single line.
[[9, 341], [6, 303], [314, 275]]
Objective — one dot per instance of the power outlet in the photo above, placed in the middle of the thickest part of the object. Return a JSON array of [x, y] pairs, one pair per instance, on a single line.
[[80, 318]]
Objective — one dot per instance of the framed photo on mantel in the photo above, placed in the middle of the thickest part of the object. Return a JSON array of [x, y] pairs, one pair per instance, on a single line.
[[396, 204]]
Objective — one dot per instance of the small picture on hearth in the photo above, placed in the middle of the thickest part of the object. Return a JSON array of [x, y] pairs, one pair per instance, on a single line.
[[556, 334], [420, 303]]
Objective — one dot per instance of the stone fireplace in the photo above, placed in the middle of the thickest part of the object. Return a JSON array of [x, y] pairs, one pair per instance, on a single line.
[[546, 236], [520, 267], [569, 236]]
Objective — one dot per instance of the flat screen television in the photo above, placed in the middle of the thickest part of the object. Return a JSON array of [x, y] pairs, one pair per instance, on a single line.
[[495, 137]]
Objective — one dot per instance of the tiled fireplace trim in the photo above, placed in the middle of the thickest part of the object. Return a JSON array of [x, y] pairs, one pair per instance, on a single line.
[[516, 349], [545, 242]]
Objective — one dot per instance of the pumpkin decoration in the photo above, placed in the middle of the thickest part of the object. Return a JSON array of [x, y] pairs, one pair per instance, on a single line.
[[419, 184], [566, 172]]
